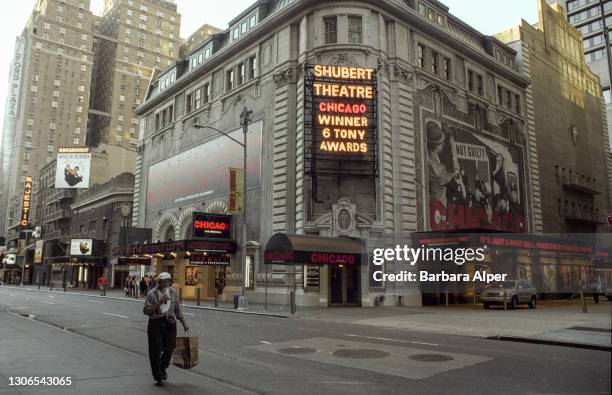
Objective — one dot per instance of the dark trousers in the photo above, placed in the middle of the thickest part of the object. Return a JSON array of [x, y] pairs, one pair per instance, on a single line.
[[162, 340]]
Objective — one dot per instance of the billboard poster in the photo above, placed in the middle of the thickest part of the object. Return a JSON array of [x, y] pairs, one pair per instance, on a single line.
[[216, 226], [80, 247], [201, 172], [475, 181], [73, 168], [38, 251]]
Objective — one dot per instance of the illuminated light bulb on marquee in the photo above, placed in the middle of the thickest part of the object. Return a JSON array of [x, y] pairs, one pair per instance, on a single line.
[[344, 104]]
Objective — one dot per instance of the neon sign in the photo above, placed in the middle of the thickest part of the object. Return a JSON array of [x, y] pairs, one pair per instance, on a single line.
[[340, 119], [25, 203]]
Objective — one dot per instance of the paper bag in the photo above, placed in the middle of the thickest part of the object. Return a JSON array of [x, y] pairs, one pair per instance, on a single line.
[[185, 354]]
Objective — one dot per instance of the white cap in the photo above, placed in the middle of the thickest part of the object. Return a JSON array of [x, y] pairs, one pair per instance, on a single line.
[[165, 276]]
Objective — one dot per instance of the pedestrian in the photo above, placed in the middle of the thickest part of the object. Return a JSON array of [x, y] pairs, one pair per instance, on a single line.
[[143, 287], [163, 308], [152, 283], [133, 287], [126, 288], [102, 282]]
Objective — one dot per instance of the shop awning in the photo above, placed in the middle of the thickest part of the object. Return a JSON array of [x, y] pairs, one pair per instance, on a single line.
[[287, 249], [80, 260]]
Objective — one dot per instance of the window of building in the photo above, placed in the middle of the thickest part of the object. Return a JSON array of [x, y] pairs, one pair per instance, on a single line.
[[422, 9], [509, 100], [331, 29], [470, 81], [240, 74], [197, 99], [189, 103], [480, 88], [517, 103], [252, 62], [206, 93], [355, 30], [447, 69], [500, 95], [229, 80], [421, 55], [434, 62]]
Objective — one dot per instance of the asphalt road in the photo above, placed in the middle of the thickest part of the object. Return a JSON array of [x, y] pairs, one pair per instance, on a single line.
[[279, 355]]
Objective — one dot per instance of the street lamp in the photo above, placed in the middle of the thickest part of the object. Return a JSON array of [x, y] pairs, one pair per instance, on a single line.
[[244, 122]]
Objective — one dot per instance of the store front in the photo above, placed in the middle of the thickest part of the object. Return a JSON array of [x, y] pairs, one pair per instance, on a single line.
[[76, 272], [556, 266], [192, 263], [342, 257]]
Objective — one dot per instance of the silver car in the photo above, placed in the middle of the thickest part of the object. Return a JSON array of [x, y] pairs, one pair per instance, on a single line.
[[517, 292]]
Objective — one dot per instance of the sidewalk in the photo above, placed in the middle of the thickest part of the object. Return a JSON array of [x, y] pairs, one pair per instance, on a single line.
[[34, 349], [254, 308], [554, 322]]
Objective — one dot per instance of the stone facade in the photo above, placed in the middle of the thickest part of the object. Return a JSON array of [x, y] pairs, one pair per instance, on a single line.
[[431, 69]]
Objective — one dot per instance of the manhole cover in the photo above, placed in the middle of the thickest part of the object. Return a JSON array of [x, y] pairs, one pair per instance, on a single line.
[[360, 354], [297, 350], [431, 357]]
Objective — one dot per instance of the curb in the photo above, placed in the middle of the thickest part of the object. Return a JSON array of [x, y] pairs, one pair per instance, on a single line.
[[547, 342], [236, 311]]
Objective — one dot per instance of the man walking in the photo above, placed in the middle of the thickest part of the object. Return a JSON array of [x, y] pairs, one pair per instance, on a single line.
[[163, 308], [102, 282]]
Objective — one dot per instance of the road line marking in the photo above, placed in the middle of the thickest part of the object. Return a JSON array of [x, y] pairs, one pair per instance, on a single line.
[[44, 301], [188, 314], [116, 315], [12, 296], [264, 342], [52, 297], [391, 340], [94, 301]]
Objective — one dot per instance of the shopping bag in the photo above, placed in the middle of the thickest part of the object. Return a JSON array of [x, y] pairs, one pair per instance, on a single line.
[[185, 354]]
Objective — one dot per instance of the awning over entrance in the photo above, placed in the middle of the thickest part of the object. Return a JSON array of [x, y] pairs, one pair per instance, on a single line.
[[285, 249], [73, 260], [203, 245]]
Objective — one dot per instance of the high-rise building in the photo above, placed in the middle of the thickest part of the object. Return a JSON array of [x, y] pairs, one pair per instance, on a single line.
[[75, 80], [132, 40], [593, 18], [568, 118], [48, 95]]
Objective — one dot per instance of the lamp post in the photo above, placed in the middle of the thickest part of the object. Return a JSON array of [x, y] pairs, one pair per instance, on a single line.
[[25, 254], [244, 122]]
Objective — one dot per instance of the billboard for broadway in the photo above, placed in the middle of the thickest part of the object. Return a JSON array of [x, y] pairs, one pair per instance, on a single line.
[[73, 168]]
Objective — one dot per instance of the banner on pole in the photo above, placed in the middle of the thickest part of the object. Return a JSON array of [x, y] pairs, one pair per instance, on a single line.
[[236, 190]]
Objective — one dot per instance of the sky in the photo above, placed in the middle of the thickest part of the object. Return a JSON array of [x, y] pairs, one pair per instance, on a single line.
[[487, 16]]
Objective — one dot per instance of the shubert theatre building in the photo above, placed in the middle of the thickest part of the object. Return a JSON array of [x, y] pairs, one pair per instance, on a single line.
[[371, 120]]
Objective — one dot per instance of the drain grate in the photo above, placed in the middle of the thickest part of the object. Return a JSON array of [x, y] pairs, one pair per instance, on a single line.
[[360, 354], [431, 357], [297, 350]]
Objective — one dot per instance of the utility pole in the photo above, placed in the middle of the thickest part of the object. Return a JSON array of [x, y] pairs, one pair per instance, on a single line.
[[244, 120]]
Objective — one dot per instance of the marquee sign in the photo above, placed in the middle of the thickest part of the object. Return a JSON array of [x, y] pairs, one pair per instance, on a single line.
[[209, 260], [340, 120], [26, 201], [214, 226]]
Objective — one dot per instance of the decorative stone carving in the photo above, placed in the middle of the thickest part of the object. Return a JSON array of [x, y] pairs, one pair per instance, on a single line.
[[402, 74], [344, 217], [286, 76], [343, 59]]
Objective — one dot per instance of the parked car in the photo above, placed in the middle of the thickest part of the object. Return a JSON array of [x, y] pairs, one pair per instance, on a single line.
[[517, 292]]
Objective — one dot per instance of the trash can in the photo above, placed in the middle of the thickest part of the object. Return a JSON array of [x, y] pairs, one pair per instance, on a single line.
[[236, 301]]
